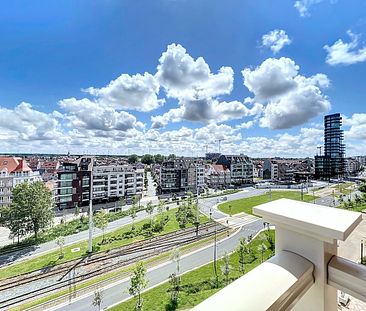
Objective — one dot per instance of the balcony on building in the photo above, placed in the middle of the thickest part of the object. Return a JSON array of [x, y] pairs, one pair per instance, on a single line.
[[306, 271]]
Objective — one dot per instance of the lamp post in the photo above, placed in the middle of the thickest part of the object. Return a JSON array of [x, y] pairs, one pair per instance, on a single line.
[[197, 213], [90, 247]]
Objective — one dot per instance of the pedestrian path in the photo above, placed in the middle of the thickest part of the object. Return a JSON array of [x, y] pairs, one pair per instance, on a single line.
[[239, 220]]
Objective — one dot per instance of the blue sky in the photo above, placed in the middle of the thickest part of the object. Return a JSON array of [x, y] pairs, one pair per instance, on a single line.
[[176, 75]]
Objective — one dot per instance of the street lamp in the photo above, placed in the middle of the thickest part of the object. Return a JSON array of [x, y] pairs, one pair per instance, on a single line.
[[90, 247]]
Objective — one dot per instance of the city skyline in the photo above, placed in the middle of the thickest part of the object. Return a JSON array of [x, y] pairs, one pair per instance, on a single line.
[[259, 77]]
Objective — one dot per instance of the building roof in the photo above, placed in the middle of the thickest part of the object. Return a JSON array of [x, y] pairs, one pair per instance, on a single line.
[[13, 164], [219, 168]]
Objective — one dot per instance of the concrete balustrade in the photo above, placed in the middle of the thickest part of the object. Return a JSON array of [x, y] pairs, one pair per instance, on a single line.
[[306, 242]]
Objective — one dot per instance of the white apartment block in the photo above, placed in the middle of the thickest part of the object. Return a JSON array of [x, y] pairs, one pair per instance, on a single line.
[[14, 171], [117, 181]]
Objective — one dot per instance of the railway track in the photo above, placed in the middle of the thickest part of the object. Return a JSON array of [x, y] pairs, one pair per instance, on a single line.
[[104, 263]]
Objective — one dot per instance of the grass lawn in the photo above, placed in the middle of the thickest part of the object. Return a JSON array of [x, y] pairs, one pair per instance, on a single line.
[[120, 273], [344, 188], [246, 204], [196, 285], [117, 238]]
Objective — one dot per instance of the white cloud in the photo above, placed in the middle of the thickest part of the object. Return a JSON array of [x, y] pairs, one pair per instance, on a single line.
[[275, 40], [90, 115], [137, 92], [303, 6], [182, 76], [342, 53], [205, 111], [25, 123], [290, 99], [357, 123]]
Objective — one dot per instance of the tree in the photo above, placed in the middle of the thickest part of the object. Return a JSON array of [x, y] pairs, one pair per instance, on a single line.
[[98, 299], [31, 209], [270, 241], [138, 283], [147, 159], [101, 221], [150, 210], [174, 281], [133, 158], [60, 242], [362, 188], [358, 199], [242, 252], [158, 158], [226, 268], [171, 156], [122, 202], [13, 219], [176, 258], [161, 207], [184, 215], [133, 214], [262, 248]]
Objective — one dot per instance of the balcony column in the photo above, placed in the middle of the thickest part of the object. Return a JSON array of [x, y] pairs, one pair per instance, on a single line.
[[320, 296], [310, 231]]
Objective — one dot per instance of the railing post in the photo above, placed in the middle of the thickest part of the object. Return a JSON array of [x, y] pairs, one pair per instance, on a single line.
[[310, 231]]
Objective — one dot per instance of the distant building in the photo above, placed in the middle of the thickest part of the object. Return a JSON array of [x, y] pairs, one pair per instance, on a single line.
[[212, 156], [14, 171], [240, 166], [353, 166], [110, 182], [287, 169], [217, 176], [182, 175], [332, 163]]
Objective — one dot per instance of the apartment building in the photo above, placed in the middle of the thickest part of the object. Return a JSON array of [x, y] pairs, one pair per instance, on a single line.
[[113, 182], [352, 165], [13, 171], [182, 175], [109, 182], [286, 169], [217, 176], [240, 166]]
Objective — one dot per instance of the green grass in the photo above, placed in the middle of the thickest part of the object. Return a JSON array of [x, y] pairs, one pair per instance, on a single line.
[[116, 239], [343, 188], [196, 285], [246, 204], [119, 272]]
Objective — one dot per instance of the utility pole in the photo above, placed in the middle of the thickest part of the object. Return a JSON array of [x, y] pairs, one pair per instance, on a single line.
[[90, 248], [302, 192], [197, 213]]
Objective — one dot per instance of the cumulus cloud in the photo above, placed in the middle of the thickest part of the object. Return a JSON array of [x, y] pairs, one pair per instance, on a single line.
[[25, 123], [206, 110], [183, 76], [275, 40], [137, 92], [357, 123], [90, 115], [289, 98], [342, 53]]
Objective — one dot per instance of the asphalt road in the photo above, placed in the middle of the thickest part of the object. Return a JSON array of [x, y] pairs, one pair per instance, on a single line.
[[117, 292], [204, 204]]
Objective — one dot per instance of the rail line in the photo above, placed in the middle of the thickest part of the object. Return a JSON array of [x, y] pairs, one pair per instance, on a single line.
[[158, 246]]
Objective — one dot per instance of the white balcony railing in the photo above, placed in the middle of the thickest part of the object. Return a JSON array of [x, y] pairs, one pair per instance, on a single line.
[[306, 272]]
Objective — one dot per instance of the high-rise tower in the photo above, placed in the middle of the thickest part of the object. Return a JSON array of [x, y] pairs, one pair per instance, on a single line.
[[331, 164]]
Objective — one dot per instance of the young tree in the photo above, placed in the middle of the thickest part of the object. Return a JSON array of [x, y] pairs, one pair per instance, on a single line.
[[262, 248], [242, 252], [270, 241], [358, 200], [161, 207], [101, 221], [138, 283], [176, 258], [174, 281], [150, 210], [122, 202], [184, 215], [98, 299], [133, 214], [60, 241], [226, 268]]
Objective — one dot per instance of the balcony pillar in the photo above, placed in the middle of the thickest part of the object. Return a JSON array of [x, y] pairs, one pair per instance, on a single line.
[[310, 231]]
